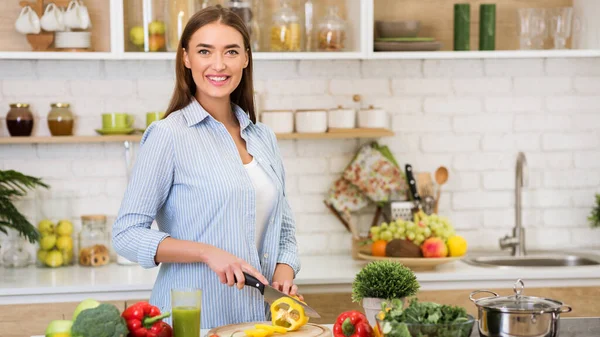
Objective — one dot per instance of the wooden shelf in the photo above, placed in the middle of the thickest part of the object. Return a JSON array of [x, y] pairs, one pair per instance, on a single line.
[[476, 54], [358, 133]]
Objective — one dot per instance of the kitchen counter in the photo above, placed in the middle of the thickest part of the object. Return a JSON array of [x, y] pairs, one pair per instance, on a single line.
[[569, 327], [319, 274]]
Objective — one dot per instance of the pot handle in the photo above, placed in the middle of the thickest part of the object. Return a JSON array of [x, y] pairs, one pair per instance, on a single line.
[[481, 291], [565, 308]]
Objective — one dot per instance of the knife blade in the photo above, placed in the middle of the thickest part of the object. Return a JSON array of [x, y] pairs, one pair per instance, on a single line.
[[271, 294]]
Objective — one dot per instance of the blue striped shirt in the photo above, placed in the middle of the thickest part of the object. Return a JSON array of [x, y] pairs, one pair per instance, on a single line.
[[189, 177]]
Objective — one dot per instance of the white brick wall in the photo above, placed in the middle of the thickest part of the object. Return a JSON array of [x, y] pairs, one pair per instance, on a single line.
[[471, 116]]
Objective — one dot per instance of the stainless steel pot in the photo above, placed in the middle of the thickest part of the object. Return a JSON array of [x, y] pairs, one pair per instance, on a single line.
[[517, 316]]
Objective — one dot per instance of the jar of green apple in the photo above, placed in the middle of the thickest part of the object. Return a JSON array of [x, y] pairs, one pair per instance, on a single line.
[[56, 243]]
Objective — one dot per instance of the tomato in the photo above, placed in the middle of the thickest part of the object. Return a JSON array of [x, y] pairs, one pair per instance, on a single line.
[[378, 248]]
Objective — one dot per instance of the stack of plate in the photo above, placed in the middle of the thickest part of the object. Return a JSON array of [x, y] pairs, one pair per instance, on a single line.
[[72, 40], [402, 36]]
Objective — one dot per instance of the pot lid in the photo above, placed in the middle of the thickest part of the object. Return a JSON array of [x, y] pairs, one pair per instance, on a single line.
[[518, 302]]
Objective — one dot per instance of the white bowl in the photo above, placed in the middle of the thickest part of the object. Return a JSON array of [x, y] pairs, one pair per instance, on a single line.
[[278, 121], [311, 121], [65, 40], [373, 118], [342, 118]]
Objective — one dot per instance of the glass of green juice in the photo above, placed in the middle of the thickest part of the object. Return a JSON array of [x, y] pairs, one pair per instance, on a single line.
[[186, 305]]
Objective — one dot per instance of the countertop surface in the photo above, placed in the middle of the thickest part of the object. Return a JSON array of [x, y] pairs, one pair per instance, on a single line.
[[319, 274], [568, 327]]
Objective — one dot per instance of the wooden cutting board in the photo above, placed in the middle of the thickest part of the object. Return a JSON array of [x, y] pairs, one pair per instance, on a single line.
[[308, 330]]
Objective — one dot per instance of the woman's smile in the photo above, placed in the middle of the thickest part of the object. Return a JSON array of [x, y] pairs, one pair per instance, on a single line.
[[218, 80]]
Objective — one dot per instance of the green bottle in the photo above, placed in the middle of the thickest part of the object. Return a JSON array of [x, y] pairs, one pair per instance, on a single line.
[[487, 27], [462, 29]]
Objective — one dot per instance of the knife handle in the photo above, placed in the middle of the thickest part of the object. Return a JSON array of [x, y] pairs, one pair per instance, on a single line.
[[412, 183], [253, 282]]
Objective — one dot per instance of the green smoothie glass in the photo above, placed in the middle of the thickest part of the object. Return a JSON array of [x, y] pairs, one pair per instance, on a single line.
[[186, 305]]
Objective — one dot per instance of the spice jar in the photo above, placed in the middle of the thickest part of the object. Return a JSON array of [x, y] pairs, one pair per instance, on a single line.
[[19, 120], [94, 241], [243, 8], [285, 29], [60, 119], [331, 31]]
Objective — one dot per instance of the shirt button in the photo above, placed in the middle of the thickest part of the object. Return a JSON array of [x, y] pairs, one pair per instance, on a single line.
[[266, 255]]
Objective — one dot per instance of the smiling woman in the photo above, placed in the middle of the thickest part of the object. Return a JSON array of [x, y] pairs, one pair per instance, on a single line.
[[213, 179]]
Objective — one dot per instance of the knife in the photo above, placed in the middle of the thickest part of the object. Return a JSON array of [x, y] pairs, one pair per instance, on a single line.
[[412, 184], [271, 294]]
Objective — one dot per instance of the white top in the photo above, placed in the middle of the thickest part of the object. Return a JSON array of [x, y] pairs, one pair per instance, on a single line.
[[266, 193]]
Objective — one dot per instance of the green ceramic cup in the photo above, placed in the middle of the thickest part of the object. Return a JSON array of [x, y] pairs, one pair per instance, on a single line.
[[153, 116], [116, 120]]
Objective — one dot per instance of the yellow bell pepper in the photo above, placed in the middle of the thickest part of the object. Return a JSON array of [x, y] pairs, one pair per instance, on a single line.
[[272, 328], [287, 314], [258, 333]]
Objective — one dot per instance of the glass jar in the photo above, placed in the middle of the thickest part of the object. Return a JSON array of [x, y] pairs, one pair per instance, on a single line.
[[56, 243], [243, 8], [60, 119], [19, 120], [177, 14], [94, 241], [16, 254], [285, 29], [331, 31], [145, 17]]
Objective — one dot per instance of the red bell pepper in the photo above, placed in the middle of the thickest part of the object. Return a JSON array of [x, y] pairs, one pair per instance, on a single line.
[[145, 320], [352, 324]]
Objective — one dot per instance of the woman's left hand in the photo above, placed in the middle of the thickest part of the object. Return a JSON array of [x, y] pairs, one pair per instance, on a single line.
[[283, 280]]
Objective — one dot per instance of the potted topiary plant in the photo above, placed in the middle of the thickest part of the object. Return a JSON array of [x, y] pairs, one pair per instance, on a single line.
[[382, 281], [594, 217]]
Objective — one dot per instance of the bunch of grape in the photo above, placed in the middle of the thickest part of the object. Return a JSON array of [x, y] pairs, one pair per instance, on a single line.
[[400, 229], [440, 226]]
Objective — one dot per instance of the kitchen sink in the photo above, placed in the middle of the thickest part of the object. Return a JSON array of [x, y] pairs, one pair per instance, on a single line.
[[535, 260]]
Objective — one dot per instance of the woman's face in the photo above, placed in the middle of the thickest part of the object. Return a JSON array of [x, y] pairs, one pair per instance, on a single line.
[[217, 58]]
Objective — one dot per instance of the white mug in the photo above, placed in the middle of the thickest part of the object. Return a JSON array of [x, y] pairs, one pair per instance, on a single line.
[[53, 19], [77, 16], [28, 21]]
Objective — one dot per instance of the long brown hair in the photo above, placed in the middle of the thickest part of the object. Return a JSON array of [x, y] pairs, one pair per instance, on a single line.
[[185, 88]]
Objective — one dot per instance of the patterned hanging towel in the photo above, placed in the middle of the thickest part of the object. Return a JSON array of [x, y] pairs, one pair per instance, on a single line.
[[372, 176]]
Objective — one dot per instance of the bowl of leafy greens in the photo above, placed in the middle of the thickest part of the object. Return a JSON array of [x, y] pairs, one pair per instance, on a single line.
[[423, 319]]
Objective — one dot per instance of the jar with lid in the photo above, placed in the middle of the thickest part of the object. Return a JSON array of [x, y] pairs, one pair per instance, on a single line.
[[285, 29], [243, 8], [60, 119], [16, 254], [19, 120], [177, 14], [94, 241], [331, 31], [145, 26], [56, 243]]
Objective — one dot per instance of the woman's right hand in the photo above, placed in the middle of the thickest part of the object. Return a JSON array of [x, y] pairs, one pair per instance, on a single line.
[[227, 265]]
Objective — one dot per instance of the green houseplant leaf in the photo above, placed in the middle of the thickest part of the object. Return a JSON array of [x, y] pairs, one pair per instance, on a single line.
[[594, 217], [13, 185]]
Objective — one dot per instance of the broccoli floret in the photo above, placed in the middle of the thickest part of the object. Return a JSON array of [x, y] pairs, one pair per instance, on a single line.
[[102, 321]]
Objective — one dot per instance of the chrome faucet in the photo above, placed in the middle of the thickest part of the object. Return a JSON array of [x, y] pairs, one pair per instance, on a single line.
[[517, 241]]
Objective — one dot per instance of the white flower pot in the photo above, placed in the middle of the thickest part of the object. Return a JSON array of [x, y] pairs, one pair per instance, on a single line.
[[372, 307]]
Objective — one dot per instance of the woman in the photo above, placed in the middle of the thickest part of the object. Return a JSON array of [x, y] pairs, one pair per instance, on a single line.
[[213, 179]]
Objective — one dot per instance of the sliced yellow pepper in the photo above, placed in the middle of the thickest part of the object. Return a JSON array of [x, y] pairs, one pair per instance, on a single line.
[[258, 333], [273, 328], [287, 314]]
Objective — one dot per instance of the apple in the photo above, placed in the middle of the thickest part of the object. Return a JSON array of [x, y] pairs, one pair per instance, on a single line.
[[46, 227], [157, 42], [434, 247], [136, 35], [59, 327], [64, 228], [85, 304], [156, 27]]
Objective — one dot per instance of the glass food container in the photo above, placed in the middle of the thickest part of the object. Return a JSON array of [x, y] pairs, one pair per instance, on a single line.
[[243, 8], [285, 29], [331, 34], [56, 244], [144, 18], [19, 120], [16, 254], [60, 119], [94, 241], [177, 14]]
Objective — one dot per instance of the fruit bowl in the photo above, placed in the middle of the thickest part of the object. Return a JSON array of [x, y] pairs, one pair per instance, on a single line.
[[414, 263]]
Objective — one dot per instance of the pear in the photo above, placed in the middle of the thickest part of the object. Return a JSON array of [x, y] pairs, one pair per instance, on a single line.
[[85, 304]]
